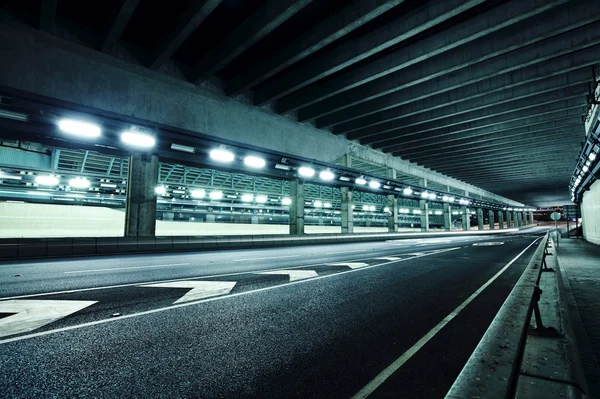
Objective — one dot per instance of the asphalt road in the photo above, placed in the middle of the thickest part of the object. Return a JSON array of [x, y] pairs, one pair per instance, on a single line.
[[313, 321]]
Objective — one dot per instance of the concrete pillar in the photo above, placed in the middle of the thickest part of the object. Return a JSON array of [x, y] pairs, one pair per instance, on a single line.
[[140, 211], [501, 219], [392, 203], [347, 222], [297, 207], [466, 218], [531, 217], [515, 218], [447, 217], [491, 218], [424, 206], [508, 221], [479, 219]]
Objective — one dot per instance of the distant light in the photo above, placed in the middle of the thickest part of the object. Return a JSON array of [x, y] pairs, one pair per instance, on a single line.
[[592, 156], [372, 208], [79, 182], [374, 184], [282, 167], [305, 171], [425, 194], [386, 209], [451, 199], [198, 193], [361, 181], [78, 128], [216, 195], [108, 185], [247, 198], [432, 196], [365, 207], [326, 175], [286, 201], [254, 162], [16, 116], [178, 191], [318, 204], [407, 191], [221, 155], [47, 180], [160, 190], [353, 206], [9, 177], [183, 148], [445, 198], [344, 178], [327, 205], [585, 168], [261, 199], [417, 211], [138, 139], [438, 212]]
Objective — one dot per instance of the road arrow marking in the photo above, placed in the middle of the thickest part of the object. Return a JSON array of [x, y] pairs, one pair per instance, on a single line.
[[390, 258], [294, 274], [199, 289], [351, 265], [32, 313]]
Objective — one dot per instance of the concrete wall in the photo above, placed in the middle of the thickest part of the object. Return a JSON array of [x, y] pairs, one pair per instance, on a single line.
[[44, 220], [590, 214]]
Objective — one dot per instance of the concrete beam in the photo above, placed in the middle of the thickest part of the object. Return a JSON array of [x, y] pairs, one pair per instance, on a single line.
[[47, 15], [510, 161], [188, 23], [438, 107], [569, 108], [336, 26], [117, 25], [535, 43], [262, 22], [454, 115], [452, 88], [532, 125], [438, 43], [350, 52]]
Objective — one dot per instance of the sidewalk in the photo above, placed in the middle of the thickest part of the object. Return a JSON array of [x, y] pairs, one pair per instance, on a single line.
[[580, 267]]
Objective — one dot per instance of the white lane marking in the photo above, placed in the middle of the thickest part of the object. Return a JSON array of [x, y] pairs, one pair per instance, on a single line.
[[346, 252], [390, 258], [199, 289], [392, 368], [351, 265], [295, 275], [32, 314], [488, 244], [271, 257], [180, 305], [128, 268]]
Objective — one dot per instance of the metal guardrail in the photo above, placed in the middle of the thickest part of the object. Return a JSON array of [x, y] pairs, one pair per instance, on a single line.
[[19, 248], [493, 368]]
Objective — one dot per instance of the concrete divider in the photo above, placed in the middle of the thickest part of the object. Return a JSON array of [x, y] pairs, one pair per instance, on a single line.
[[12, 248]]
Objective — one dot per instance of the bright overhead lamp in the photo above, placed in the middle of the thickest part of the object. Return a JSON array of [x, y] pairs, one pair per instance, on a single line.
[[366, 207], [407, 191], [79, 182], [326, 175], [261, 199], [327, 205], [198, 193], [592, 156], [386, 209], [417, 211], [160, 190], [305, 171], [286, 201], [432, 196], [216, 195], [361, 181], [317, 204], [451, 199], [372, 208], [254, 162], [47, 180], [585, 168], [221, 155], [344, 178], [282, 167], [247, 198], [79, 128], [445, 198], [438, 212], [183, 148], [425, 194], [15, 116], [138, 139], [108, 185], [374, 184], [9, 177]]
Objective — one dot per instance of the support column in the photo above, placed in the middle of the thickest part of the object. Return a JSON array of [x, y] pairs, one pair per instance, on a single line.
[[347, 222], [479, 219], [515, 219], [491, 218], [392, 203], [140, 211], [501, 219], [466, 218], [424, 206], [508, 221], [447, 217], [531, 217], [297, 207]]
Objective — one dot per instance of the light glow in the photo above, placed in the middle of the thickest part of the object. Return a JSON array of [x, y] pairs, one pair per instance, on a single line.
[[318, 204], [361, 181], [160, 190], [198, 193], [138, 139], [286, 201], [254, 162], [432, 196], [216, 195], [221, 155], [79, 128], [305, 171], [327, 205], [374, 184], [425, 195], [247, 198], [79, 182], [261, 199], [592, 156], [326, 175], [47, 180], [407, 191]]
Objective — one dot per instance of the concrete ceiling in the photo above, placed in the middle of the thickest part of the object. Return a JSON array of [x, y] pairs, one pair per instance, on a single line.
[[490, 92]]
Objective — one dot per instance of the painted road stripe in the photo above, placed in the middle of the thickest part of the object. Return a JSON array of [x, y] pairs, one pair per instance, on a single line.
[[295, 275], [388, 258], [199, 289], [180, 305], [392, 368], [271, 257], [31, 314], [128, 268], [351, 265]]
